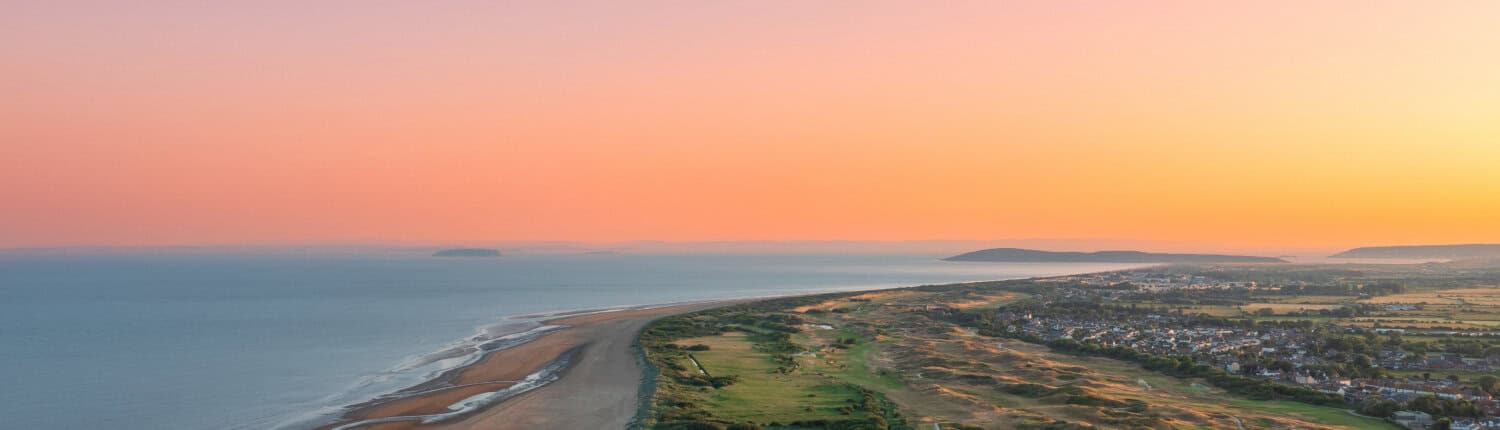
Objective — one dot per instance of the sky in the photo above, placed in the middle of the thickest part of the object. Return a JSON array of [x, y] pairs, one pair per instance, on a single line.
[[1239, 124]]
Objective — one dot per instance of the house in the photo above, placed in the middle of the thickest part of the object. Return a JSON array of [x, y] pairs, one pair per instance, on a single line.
[[1412, 419]]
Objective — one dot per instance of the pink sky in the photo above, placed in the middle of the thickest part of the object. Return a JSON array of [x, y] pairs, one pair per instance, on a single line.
[[1256, 124]]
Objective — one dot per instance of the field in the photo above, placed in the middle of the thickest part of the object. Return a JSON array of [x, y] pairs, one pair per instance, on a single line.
[[761, 394], [1213, 310], [1423, 322], [1286, 308], [1322, 415], [1326, 300], [1291, 318], [1470, 309], [1489, 296], [993, 300]]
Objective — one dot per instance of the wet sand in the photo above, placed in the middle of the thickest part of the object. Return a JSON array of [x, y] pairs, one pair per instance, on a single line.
[[598, 390]]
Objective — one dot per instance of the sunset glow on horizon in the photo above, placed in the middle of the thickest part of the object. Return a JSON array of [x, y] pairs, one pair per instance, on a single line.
[[1299, 124]]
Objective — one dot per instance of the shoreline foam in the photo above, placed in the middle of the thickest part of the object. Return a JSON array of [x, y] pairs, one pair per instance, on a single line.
[[505, 367], [411, 380], [549, 373]]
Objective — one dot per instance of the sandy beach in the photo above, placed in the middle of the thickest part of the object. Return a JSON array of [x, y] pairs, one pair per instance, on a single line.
[[598, 389]]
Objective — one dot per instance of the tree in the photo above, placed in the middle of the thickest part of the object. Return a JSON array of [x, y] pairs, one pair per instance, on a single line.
[[1488, 383], [1394, 339], [1428, 403], [1362, 361], [1378, 407]]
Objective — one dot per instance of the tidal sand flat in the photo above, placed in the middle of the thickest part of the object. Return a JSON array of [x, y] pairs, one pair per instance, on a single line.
[[583, 375]]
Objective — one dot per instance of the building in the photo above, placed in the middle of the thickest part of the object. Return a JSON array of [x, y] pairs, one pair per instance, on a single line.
[[1412, 419]]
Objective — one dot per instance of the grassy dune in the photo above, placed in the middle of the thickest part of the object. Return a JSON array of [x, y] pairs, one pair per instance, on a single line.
[[822, 367]]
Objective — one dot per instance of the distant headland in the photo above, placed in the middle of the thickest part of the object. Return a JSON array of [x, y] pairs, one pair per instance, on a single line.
[[1451, 252], [1017, 255], [467, 252]]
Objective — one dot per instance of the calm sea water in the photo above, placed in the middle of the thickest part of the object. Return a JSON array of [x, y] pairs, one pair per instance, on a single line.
[[222, 341]]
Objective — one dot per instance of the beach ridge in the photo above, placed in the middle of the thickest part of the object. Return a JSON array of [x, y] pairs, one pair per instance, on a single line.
[[594, 380]]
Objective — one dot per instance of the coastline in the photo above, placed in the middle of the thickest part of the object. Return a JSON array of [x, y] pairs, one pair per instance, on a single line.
[[578, 368], [585, 374], [302, 367]]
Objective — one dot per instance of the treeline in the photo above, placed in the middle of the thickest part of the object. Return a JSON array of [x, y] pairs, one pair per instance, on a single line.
[[1182, 367], [1212, 297], [1124, 312], [1429, 404], [1091, 310], [1378, 289], [1279, 274], [1464, 347], [1187, 367], [1016, 286]]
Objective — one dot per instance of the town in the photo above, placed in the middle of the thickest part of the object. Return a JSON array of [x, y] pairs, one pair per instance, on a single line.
[[1348, 346]]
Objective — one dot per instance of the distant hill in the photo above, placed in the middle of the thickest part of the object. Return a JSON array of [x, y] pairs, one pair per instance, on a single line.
[[1452, 252], [1017, 255], [467, 252]]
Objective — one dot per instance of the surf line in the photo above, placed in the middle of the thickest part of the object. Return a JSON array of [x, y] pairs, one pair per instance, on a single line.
[[546, 375]]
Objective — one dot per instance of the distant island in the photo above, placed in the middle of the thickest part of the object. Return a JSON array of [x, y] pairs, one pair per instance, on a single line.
[[1017, 255], [1451, 252], [467, 252]]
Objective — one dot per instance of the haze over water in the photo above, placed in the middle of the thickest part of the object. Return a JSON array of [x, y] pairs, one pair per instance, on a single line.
[[172, 341]]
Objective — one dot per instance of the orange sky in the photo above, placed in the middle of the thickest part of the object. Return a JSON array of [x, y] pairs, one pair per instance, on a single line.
[[1295, 123]]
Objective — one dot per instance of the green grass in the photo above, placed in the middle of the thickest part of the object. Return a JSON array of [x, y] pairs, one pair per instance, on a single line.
[[762, 394], [1319, 414], [1290, 318], [1304, 299], [859, 372]]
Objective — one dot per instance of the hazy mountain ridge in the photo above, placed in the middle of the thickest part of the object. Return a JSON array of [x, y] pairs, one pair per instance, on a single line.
[[467, 252], [1464, 251], [1017, 255]]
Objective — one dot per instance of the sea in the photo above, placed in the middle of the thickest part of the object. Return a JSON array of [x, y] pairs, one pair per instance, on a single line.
[[287, 340]]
